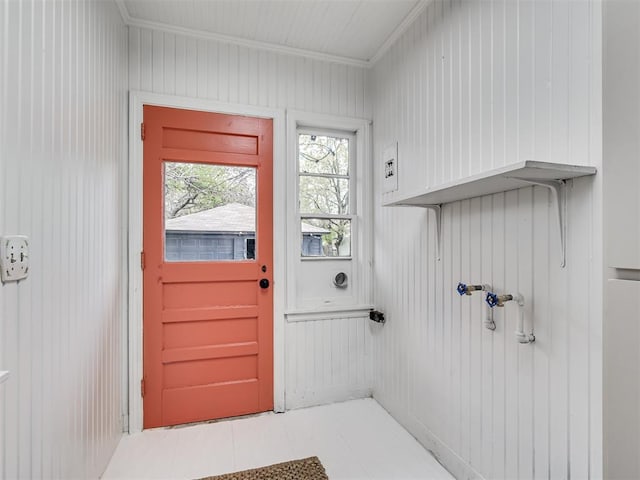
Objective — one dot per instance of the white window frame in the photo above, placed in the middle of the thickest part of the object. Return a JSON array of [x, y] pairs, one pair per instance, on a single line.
[[361, 216], [353, 189]]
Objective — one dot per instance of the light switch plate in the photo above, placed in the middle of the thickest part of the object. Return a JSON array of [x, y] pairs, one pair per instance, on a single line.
[[14, 258]]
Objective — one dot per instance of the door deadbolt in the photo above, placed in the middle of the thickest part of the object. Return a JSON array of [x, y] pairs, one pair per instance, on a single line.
[[264, 283]]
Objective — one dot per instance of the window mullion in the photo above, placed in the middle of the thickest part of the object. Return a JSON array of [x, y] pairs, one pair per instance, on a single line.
[[326, 216], [324, 175]]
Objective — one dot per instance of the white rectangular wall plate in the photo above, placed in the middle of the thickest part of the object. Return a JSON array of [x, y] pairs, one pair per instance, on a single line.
[[390, 165], [14, 258]]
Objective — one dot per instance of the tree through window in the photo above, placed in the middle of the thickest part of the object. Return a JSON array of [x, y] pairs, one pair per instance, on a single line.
[[325, 191]]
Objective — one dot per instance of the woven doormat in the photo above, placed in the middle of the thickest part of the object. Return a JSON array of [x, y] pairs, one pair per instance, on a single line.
[[305, 469]]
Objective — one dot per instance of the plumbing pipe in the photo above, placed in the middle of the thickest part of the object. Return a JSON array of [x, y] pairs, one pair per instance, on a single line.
[[520, 335], [494, 300], [464, 289], [489, 323]]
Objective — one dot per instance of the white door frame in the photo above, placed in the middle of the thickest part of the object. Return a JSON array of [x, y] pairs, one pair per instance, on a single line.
[[137, 100]]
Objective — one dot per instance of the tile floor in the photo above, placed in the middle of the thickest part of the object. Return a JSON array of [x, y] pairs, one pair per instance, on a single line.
[[354, 440]]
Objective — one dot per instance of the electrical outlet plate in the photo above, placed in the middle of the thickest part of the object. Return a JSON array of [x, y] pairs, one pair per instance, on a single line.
[[390, 163], [14, 258]]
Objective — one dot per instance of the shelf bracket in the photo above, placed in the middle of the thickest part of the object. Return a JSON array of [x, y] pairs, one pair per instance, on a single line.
[[559, 192], [437, 210]]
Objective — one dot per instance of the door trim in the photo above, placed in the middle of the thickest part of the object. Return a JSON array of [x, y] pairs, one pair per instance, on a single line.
[[133, 177]]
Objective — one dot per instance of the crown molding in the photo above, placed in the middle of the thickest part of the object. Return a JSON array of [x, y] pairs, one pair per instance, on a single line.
[[400, 30], [124, 13], [272, 47]]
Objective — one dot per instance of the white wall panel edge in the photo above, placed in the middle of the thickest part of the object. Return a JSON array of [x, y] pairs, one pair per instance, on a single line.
[[136, 101], [598, 317]]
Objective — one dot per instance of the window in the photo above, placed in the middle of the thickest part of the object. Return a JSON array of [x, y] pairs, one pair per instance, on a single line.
[[328, 180], [250, 248], [208, 211], [326, 193]]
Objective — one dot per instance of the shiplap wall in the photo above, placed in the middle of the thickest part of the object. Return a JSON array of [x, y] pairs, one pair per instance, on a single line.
[[475, 85], [63, 77], [316, 351], [173, 64], [327, 360]]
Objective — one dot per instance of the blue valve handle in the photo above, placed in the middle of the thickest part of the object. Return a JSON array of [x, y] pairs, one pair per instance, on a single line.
[[492, 299], [464, 289]]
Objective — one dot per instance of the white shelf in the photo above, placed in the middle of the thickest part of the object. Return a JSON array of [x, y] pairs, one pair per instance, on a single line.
[[522, 174], [502, 179], [4, 376]]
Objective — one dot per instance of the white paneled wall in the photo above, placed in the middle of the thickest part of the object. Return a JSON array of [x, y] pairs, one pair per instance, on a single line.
[[180, 65], [327, 360], [62, 159], [185, 66], [473, 86]]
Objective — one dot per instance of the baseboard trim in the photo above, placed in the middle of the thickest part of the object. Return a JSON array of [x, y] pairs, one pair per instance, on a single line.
[[325, 396], [448, 458]]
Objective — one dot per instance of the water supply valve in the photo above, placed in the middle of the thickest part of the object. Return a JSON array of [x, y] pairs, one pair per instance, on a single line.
[[464, 289], [494, 300]]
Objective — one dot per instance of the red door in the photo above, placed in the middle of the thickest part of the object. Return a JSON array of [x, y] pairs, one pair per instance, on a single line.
[[208, 256]]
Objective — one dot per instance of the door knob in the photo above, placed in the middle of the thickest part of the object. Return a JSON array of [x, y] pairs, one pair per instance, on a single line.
[[264, 283]]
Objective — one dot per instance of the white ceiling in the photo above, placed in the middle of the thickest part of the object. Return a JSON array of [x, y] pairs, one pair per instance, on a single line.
[[349, 30]]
